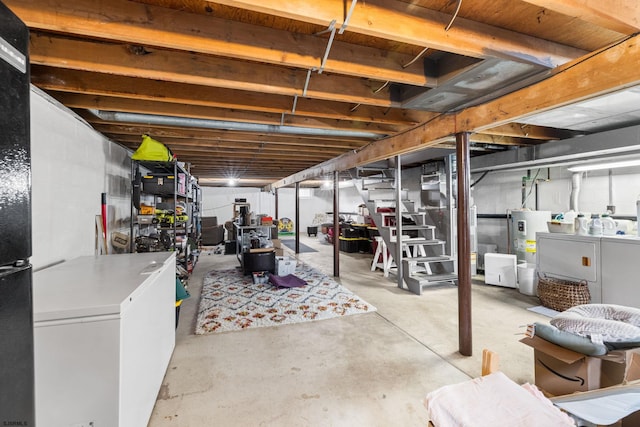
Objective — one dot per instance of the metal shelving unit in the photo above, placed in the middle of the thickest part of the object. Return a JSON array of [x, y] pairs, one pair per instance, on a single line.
[[164, 185]]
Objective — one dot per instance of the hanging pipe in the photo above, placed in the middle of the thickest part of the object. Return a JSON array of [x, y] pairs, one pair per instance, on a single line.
[[610, 207], [576, 182], [152, 119]]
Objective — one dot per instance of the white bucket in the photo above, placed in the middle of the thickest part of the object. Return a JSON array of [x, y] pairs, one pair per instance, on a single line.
[[527, 279]]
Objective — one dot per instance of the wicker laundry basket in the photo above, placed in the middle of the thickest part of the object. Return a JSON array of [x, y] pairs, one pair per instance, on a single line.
[[560, 294]]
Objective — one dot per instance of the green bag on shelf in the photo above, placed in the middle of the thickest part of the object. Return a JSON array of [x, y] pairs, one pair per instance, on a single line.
[[150, 149]]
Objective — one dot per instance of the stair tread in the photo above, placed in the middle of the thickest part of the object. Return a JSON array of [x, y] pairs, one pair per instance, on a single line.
[[423, 277], [411, 227], [418, 241], [383, 189], [428, 258], [403, 213]]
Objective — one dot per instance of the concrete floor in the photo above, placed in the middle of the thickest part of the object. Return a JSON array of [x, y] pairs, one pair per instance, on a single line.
[[372, 369]]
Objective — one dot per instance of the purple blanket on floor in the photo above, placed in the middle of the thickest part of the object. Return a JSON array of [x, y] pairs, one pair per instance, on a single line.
[[288, 281]]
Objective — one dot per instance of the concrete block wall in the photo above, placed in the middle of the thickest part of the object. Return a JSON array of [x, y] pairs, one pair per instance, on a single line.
[[72, 165]]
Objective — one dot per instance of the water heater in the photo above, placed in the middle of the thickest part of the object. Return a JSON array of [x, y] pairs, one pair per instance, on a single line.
[[524, 226]]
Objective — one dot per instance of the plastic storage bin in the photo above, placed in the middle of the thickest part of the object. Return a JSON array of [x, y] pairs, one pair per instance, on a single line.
[[349, 245], [260, 277], [285, 266], [258, 261]]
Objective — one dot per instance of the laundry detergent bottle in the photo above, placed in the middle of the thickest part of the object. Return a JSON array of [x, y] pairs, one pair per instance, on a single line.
[[581, 225], [595, 225], [608, 225]]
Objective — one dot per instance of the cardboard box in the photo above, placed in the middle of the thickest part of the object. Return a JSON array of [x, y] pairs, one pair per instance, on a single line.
[[285, 265], [560, 371], [277, 246], [632, 368], [260, 250]]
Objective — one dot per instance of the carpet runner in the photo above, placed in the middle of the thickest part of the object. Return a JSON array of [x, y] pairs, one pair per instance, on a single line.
[[231, 301], [291, 244]]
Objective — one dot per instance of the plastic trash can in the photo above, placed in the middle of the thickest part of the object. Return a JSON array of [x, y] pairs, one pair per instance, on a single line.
[[527, 279]]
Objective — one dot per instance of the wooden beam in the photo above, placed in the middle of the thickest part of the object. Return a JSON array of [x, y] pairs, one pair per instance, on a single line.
[[408, 23], [160, 64], [96, 83], [185, 144], [212, 113], [524, 130], [246, 164], [272, 152], [148, 25], [622, 16], [607, 71], [254, 155]]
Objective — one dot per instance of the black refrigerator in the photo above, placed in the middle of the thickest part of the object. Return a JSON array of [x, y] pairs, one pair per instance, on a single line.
[[16, 311]]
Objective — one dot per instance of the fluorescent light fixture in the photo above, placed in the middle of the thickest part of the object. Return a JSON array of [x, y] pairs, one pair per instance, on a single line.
[[601, 166], [232, 182]]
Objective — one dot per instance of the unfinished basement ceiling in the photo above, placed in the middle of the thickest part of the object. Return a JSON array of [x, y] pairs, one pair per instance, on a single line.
[[365, 80], [608, 112]]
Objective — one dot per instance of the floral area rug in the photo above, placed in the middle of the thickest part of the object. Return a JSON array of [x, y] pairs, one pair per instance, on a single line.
[[231, 301]]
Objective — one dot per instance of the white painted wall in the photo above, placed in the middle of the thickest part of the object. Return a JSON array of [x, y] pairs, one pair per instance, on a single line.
[[72, 165], [320, 202]]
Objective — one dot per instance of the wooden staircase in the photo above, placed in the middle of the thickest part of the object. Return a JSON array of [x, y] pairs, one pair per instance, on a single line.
[[424, 259]]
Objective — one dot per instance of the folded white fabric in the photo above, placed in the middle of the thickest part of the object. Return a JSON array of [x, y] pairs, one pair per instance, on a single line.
[[492, 401]]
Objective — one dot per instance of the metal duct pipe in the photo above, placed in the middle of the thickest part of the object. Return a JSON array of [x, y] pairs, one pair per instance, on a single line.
[[152, 119], [576, 182]]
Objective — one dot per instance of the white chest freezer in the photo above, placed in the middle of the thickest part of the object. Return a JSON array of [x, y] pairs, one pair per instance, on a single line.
[[104, 332]]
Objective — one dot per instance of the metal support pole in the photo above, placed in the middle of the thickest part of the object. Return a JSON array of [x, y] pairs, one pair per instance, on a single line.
[[464, 244], [336, 224], [398, 254], [276, 201], [297, 222]]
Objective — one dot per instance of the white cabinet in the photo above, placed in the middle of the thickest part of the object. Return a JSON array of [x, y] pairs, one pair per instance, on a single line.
[[104, 332], [610, 265]]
